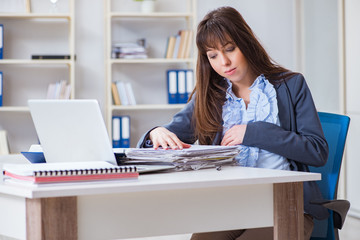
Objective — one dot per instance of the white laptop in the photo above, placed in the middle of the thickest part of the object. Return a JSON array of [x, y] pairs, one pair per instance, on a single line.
[[74, 131], [71, 130]]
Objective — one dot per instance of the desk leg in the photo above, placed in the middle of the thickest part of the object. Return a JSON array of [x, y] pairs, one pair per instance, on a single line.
[[288, 211], [51, 218]]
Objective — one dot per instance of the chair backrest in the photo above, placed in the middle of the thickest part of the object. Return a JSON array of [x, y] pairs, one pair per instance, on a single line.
[[335, 129]]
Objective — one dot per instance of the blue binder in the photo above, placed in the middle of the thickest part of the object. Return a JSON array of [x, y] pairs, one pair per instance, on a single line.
[[172, 85], [116, 130], [1, 41], [189, 83], [125, 132], [1, 89], [181, 77]]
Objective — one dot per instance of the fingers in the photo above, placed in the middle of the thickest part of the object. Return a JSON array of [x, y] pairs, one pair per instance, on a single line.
[[161, 137], [234, 136]]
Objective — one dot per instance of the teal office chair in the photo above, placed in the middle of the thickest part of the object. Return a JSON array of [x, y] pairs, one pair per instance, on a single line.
[[335, 128]]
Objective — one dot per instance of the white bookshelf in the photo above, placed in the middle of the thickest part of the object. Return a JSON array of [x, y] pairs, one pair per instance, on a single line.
[[27, 33], [124, 23]]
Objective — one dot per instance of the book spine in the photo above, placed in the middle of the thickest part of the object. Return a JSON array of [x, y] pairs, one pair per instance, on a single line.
[[115, 94]]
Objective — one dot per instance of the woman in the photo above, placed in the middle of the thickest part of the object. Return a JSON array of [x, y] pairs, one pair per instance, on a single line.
[[243, 98]]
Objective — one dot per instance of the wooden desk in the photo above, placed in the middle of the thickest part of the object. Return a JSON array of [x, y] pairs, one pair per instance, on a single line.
[[158, 204]]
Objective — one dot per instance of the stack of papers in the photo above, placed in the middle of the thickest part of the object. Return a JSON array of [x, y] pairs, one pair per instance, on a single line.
[[195, 157]]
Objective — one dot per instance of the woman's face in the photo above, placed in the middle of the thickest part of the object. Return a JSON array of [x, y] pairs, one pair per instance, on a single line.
[[229, 62]]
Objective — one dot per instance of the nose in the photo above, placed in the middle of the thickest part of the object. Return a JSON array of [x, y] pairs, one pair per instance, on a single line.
[[224, 59]]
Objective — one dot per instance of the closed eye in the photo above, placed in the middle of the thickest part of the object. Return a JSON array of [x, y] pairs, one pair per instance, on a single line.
[[230, 48]]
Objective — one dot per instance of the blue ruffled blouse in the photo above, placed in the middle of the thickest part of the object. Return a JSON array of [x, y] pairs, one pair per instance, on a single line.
[[262, 107]]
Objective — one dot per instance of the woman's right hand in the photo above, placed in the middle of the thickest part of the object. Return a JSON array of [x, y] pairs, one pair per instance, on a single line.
[[161, 137]]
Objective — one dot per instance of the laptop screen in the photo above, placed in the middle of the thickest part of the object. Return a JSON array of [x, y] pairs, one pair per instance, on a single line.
[[71, 130]]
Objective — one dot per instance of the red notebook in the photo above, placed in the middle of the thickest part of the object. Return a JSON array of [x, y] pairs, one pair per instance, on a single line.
[[68, 172]]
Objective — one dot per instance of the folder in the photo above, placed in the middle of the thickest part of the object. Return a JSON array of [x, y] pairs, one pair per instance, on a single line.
[[172, 86], [116, 130], [1, 41], [125, 132], [182, 96], [189, 83]]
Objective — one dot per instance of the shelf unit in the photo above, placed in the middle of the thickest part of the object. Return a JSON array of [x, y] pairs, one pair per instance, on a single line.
[[17, 60], [124, 24]]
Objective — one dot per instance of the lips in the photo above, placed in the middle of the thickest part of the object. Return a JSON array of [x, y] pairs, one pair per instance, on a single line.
[[231, 71]]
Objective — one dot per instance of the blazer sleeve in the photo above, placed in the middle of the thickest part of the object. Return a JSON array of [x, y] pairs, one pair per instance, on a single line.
[[306, 143]]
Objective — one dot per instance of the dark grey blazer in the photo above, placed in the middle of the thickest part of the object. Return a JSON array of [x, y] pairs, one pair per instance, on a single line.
[[299, 138]]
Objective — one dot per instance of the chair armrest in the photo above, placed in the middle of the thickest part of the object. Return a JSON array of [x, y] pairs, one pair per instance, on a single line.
[[339, 208]]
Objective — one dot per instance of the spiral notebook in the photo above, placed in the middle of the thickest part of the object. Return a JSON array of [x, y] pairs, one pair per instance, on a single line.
[[68, 172]]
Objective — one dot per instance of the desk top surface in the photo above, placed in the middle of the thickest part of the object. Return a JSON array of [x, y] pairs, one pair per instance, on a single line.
[[205, 178]]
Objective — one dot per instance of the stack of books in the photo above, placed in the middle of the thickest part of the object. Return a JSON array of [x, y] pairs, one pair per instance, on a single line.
[[179, 46], [129, 50]]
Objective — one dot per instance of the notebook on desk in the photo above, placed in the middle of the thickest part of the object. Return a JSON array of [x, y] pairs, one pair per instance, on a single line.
[[72, 131]]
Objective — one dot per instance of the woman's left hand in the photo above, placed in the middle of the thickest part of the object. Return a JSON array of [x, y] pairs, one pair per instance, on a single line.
[[234, 136]]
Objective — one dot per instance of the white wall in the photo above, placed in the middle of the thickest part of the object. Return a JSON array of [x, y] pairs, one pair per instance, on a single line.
[[352, 40]]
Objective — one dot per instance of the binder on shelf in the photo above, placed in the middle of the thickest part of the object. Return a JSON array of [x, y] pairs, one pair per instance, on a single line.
[[125, 132], [121, 131], [172, 86], [1, 89], [1, 41], [182, 95], [189, 83], [180, 85], [116, 130], [41, 173]]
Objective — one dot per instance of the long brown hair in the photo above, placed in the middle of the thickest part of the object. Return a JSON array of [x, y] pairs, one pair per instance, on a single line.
[[217, 27]]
